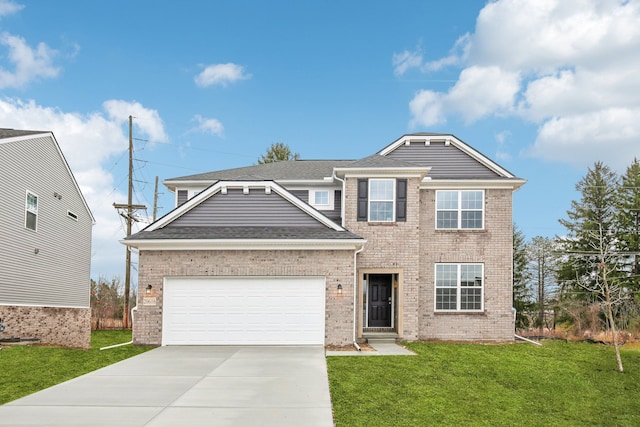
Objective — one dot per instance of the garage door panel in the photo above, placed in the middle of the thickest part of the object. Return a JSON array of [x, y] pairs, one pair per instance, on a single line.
[[243, 311]]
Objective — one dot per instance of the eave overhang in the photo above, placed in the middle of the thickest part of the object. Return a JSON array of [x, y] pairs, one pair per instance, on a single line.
[[244, 244]]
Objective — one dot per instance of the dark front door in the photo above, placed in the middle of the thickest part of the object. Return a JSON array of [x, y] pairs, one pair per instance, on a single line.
[[380, 300]]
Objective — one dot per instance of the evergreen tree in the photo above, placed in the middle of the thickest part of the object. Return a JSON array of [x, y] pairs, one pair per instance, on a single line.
[[541, 265], [278, 152], [592, 215], [522, 301], [628, 222]]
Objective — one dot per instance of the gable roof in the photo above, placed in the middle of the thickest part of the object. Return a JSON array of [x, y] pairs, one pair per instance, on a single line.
[[448, 156], [242, 214], [8, 136]]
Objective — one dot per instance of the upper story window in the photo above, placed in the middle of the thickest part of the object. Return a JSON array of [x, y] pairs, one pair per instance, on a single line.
[[462, 209], [382, 200], [323, 200], [459, 287], [31, 211]]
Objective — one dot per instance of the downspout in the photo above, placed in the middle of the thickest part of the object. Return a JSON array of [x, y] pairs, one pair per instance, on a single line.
[[355, 295], [342, 197], [128, 342]]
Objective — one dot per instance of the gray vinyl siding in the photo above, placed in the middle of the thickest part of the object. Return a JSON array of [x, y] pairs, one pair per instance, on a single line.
[[255, 209], [447, 162], [333, 214], [59, 274]]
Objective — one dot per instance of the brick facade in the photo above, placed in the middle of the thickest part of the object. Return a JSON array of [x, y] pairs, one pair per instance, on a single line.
[[335, 265], [493, 247], [59, 326], [412, 249]]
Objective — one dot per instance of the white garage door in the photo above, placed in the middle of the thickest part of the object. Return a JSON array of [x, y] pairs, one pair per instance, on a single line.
[[243, 311]]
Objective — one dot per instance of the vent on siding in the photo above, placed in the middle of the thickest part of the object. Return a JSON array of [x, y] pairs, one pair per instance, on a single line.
[[72, 215]]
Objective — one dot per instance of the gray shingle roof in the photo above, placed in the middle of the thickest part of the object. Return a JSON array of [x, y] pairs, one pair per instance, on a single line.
[[378, 161], [13, 133], [257, 233], [278, 171]]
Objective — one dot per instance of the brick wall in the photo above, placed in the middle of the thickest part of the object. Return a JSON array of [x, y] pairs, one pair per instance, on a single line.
[[59, 326], [492, 246], [336, 266], [392, 246]]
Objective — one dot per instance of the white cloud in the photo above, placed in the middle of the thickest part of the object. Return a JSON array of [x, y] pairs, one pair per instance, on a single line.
[[146, 120], [221, 74], [91, 144], [29, 63], [211, 126], [610, 135], [8, 7], [406, 60], [563, 65]]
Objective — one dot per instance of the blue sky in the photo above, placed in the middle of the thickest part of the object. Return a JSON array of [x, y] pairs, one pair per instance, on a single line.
[[544, 87]]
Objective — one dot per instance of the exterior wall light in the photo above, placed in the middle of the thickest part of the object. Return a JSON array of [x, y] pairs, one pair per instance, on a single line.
[[148, 290], [339, 289]]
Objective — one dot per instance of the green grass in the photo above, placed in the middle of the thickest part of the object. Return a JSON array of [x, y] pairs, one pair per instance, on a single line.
[[559, 384], [27, 369]]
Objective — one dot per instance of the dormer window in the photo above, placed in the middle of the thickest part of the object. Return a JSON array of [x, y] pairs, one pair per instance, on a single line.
[[322, 199]]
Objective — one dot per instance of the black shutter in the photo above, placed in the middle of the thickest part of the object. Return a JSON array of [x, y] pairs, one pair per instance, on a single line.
[[363, 199], [401, 200]]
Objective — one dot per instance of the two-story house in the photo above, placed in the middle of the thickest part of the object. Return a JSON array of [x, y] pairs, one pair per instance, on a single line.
[[413, 242], [45, 250]]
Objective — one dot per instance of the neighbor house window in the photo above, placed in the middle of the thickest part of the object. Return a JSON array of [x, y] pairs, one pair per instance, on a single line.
[[460, 209], [382, 200], [322, 200], [459, 287], [31, 211]]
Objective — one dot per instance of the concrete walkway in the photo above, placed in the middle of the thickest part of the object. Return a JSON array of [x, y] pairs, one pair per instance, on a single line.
[[380, 349], [189, 386]]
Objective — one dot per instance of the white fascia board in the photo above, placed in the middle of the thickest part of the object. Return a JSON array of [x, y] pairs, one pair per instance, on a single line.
[[205, 194], [243, 244], [383, 172], [172, 185], [451, 140], [504, 184]]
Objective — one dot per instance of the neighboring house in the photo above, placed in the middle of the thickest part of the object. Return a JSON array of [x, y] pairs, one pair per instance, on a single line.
[[45, 255], [413, 242]]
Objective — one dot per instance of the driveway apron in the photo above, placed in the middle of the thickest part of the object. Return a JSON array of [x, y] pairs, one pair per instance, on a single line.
[[189, 386]]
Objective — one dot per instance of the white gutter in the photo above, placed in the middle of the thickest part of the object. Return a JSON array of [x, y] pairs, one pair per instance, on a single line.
[[124, 343], [355, 294], [342, 197]]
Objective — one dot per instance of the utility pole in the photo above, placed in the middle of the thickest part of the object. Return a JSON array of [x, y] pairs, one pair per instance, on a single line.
[[155, 200], [129, 207]]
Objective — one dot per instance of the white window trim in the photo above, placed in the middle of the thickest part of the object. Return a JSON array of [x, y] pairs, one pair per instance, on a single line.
[[458, 288], [26, 209], [330, 198], [460, 210], [370, 199], [72, 215]]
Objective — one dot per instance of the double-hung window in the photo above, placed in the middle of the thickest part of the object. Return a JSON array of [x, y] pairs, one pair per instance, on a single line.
[[31, 211], [459, 287], [382, 200], [463, 209]]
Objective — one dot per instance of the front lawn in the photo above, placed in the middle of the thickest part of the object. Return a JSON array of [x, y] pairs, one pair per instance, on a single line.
[[27, 369], [559, 384]]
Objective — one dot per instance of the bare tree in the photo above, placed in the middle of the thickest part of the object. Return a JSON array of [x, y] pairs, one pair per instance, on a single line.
[[605, 282]]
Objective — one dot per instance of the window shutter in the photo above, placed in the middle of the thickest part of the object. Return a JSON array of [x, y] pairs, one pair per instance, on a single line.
[[363, 201], [401, 200]]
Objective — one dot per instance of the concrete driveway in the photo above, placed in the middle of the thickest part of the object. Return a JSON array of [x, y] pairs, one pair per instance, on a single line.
[[189, 386]]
